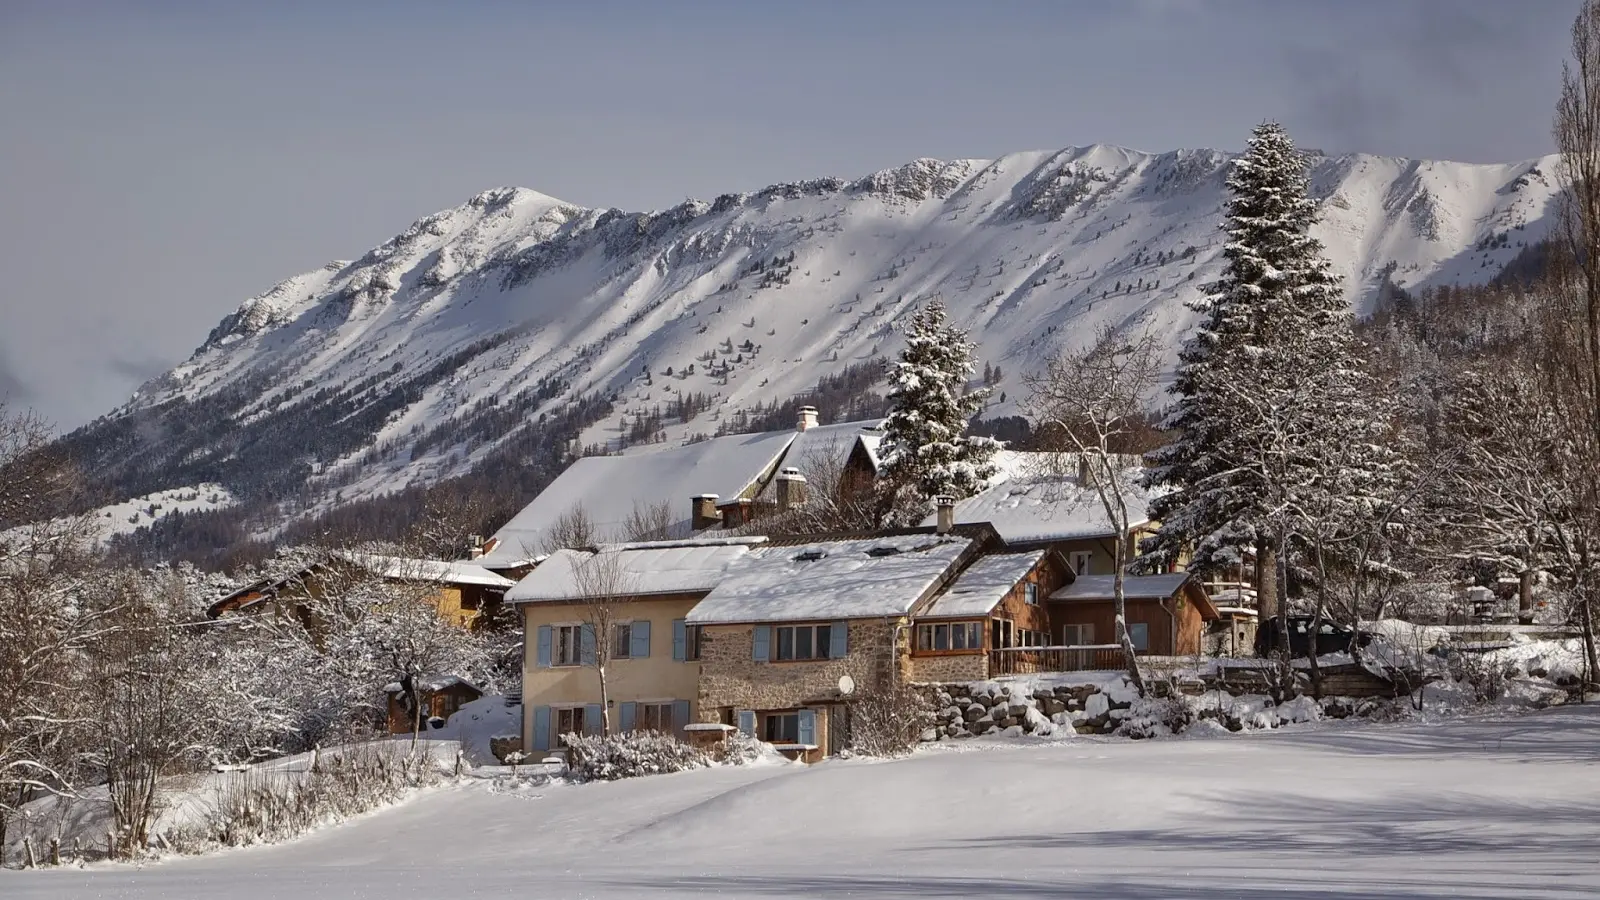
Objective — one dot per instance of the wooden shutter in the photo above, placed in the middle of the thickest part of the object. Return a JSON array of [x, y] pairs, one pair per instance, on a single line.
[[543, 657], [680, 640], [586, 642], [639, 640], [747, 722], [592, 718], [680, 715], [838, 640], [807, 732], [627, 722], [541, 728], [761, 643]]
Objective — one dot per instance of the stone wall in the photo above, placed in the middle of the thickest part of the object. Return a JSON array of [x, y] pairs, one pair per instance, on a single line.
[[730, 679], [953, 668], [1337, 681]]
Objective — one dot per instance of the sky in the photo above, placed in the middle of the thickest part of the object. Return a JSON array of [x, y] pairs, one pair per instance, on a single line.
[[163, 162]]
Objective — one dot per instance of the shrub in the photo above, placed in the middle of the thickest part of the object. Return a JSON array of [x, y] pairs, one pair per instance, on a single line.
[[740, 749], [629, 755], [889, 720]]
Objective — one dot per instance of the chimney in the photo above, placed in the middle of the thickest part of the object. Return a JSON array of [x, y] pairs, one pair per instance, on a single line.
[[791, 488], [703, 512], [947, 514], [1085, 475], [474, 546], [808, 419]]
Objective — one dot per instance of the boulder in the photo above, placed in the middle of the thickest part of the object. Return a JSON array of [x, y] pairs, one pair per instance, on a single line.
[[974, 712], [1051, 706], [931, 734], [1017, 710]]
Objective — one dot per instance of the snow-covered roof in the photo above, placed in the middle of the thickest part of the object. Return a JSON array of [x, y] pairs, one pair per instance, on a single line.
[[402, 569], [1026, 506], [610, 487], [855, 578], [979, 589], [642, 569], [831, 441], [432, 683], [1134, 587]]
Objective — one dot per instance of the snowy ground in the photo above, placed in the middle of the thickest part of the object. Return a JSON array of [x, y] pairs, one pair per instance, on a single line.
[[1483, 807]]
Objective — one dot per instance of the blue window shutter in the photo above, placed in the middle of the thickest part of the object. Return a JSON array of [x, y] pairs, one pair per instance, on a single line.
[[761, 644], [808, 726], [543, 658], [639, 640], [680, 640], [591, 719], [587, 632], [680, 715], [541, 728], [626, 724], [747, 722], [839, 640]]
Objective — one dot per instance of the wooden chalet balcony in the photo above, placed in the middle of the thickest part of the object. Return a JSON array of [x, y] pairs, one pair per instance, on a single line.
[[1032, 660]]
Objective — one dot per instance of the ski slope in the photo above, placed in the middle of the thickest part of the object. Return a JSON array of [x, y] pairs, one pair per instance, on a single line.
[[1490, 807]]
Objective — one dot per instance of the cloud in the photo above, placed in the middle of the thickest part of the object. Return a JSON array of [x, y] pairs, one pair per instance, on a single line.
[[12, 388], [138, 370]]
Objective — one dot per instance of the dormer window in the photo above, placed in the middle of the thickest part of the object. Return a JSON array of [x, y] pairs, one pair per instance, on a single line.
[[810, 555], [883, 551]]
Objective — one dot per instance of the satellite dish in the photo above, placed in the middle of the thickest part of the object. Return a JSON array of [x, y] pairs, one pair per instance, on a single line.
[[847, 685]]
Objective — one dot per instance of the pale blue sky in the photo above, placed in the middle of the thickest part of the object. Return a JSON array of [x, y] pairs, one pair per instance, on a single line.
[[160, 162]]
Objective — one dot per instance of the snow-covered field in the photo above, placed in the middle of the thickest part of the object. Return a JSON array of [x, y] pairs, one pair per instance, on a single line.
[[1480, 807]]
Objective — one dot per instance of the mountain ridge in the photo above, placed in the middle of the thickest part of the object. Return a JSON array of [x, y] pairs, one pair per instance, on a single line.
[[430, 354]]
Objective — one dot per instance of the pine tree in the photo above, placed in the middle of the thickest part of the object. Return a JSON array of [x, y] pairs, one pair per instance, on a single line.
[[1269, 390], [929, 452]]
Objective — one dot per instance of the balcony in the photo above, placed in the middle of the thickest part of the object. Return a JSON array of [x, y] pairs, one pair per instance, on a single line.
[[1033, 660]]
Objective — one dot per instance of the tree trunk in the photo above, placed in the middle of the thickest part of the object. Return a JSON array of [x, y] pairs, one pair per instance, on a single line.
[[1525, 597], [1588, 647], [605, 702], [1266, 581], [1120, 606]]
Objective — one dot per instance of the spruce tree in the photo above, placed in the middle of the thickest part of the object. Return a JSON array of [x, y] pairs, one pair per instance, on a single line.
[[1268, 390], [929, 453]]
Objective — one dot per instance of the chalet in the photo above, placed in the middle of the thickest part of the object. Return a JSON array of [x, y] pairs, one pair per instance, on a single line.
[[795, 625], [648, 589], [994, 604], [440, 695], [465, 593], [723, 482], [1032, 504]]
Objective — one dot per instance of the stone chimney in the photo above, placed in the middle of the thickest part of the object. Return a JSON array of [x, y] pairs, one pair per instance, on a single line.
[[807, 420], [474, 546], [947, 514], [703, 512], [791, 488]]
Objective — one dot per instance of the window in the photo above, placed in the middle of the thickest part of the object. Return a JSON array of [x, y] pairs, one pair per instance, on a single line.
[[692, 645], [1139, 633], [622, 640], [568, 649], [804, 642], [781, 728], [951, 636], [1030, 593], [1077, 635], [569, 720], [1001, 636], [1079, 561], [653, 717]]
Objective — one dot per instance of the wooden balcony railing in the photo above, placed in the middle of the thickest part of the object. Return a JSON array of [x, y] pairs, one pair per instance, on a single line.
[[1031, 660]]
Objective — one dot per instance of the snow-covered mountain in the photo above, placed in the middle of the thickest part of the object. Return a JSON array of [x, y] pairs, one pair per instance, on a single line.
[[431, 352]]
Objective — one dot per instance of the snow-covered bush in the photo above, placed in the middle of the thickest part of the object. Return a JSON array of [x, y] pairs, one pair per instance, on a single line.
[[889, 720], [1156, 716], [264, 806], [629, 755], [740, 749]]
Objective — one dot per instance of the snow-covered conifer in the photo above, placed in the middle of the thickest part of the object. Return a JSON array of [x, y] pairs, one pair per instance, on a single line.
[[928, 449]]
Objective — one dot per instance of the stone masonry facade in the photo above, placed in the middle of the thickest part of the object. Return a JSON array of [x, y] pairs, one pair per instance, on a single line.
[[731, 679], [952, 668]]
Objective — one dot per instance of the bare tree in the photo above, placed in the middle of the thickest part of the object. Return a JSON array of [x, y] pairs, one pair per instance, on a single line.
[[1094, 400], [648, 522], [836, 499], [571, 530], [1574, 334], [603, 589]]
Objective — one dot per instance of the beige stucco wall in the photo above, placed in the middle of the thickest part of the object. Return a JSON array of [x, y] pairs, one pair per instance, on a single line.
[[656, 678]]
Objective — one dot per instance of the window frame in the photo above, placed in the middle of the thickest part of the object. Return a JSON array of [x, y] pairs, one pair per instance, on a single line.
[[767, 720], [622, 640], [1143, 627], [821, 645], [1083, 634], [573, 714], [971, 637], [1030, 593], [1073, 558], [692, 635], [558, 660], [661, 709]]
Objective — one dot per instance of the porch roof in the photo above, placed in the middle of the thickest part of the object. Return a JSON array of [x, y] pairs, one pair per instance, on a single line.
[[1100, 588], [978, 590]]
